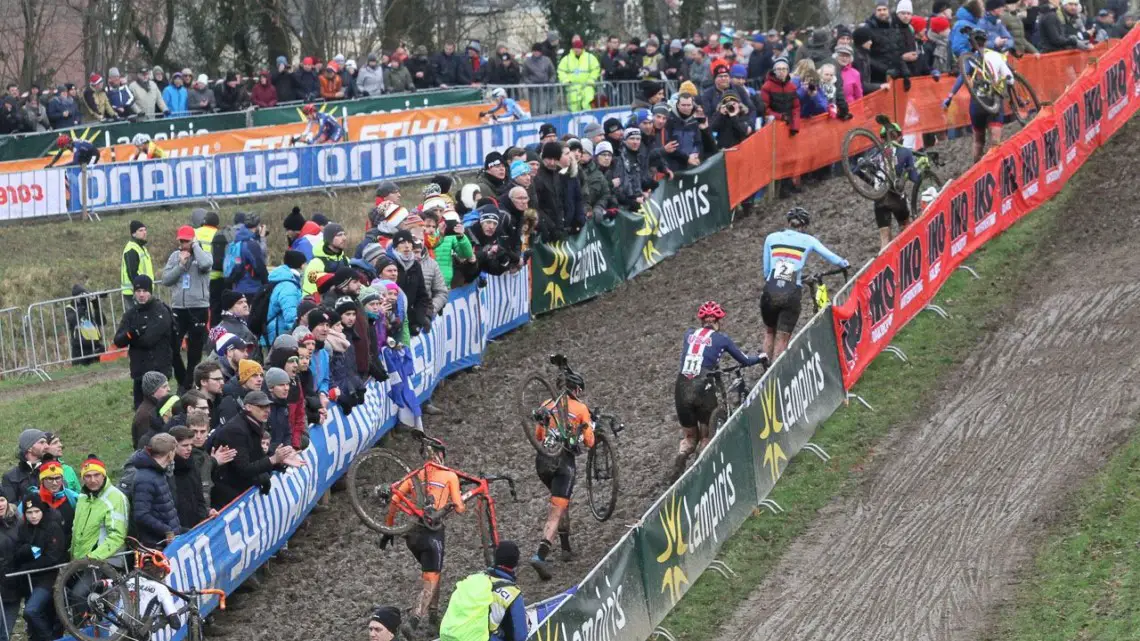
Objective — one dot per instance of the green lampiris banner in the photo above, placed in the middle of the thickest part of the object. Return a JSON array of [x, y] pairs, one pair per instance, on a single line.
[[19, 147], [680, 211], [23, 146], [801, 390], [681, 534], [579, 268], [380, 104], [609, 603]]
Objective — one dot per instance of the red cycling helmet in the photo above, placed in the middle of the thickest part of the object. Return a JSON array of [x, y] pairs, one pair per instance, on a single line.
[[309, 110], [712, 310], [64, 140]]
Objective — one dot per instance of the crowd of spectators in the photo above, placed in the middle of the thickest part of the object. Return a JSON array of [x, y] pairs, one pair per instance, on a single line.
[[846, 61]]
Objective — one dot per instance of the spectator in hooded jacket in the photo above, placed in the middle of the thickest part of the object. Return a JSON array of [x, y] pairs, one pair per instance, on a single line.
[[308, 87], [175, 96], [682, 127], [189, 501], [397, 78], [233, 322], [888, 43], [148, 96], [95, 100], [332, 86], [30, 449], [451, 69], [411, 281], [251, 465], [250, 378], [147, 422], [147, 329], [58, 499], [503, 69], [285, 279], [62, 109], [200, 97], [41, 544], [1062, 28], [10, 592], [101, 515], [551, 193], [264, 93], [187, 274], [422, 69], [154, 515]]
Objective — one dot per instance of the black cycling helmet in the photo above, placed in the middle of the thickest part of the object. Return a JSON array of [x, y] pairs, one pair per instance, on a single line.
[[574, 381], [799, 216], [429, 445]]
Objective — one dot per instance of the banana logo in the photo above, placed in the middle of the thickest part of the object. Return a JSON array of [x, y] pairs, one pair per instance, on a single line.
[[651, 225], [548, 631], [674, 578], [773, 453], [559, 267], [86, 136], [650, 253]]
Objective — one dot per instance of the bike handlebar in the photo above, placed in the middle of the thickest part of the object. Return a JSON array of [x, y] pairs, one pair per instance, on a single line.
[[817, 278], [503, 477]]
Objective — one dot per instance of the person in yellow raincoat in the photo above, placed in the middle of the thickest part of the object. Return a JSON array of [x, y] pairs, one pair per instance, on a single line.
[[580, 70]]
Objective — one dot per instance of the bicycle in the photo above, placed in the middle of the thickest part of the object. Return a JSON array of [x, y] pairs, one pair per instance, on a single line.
[[869, 165], [95, 602], [374, 481], [990, 90], [728, 398], [820, 296], [539, 404]]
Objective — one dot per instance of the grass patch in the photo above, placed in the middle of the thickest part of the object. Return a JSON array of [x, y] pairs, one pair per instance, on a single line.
[[933, 346], [94, 419], [1083, 584]]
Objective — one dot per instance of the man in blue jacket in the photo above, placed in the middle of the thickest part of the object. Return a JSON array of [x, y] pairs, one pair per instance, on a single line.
[[251, 274], [154, 515], [62, 109], [122, 100], [286, 297]]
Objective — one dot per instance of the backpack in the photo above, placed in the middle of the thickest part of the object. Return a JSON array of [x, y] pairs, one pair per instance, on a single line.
[[469, 609], [258, 320], [126, 482], [233, 262]]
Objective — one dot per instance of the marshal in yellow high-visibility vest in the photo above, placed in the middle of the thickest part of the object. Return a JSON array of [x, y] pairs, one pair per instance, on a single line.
[[145, 266], [205, 237]]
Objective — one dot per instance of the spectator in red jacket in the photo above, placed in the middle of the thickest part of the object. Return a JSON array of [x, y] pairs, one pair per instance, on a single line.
[[780, 97], [264, 93]]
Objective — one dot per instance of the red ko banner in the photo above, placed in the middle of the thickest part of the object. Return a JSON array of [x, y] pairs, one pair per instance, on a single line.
[[1014, 178]]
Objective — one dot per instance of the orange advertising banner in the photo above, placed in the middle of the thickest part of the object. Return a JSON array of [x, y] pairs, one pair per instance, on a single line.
[[360, 127]]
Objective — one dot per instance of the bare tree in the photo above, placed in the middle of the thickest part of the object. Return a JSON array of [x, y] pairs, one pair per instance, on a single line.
[[36, 40]]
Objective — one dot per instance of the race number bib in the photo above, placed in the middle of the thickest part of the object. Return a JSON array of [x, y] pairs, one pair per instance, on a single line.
[[784, 270], [695, 352]]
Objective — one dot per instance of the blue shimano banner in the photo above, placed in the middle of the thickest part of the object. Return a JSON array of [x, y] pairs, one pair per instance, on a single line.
[[225, 550], [256, 173]]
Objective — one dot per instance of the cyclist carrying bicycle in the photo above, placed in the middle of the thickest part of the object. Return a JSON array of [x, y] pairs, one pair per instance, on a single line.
[[512, 110], [559, 474], [427, 544], [785, 254], [82, 152], [321, 128], [146, 148], [154, 596], [893, 203], [695, 391]]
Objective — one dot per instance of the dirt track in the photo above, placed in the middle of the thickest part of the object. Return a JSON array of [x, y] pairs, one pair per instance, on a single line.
[[626, 345], [933, 538]]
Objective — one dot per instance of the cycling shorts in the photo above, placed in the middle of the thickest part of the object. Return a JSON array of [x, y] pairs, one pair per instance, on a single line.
[[781, 312], [557, 475], [891, 205], [427, 546], [695, 399], [980, 118]]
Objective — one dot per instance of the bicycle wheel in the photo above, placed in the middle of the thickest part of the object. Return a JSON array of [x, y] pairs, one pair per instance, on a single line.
[[979, 83], [372, 488], [867, 164], [486, 538], [534, 407], [1023, 102], [194, 628], [90, 615], [928, 179], [602, 477]]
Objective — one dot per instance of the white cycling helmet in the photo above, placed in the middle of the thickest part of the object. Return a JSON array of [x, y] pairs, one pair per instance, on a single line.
[[498, 92], [140, 139]]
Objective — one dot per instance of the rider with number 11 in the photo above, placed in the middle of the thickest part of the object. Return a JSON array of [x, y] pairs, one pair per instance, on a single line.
[[785, 254]]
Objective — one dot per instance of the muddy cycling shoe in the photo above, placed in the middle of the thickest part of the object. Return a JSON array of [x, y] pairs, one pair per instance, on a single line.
[[541, 567]]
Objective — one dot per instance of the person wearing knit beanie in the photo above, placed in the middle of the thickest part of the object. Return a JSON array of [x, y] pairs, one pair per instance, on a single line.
[[152, 382], [345, 304], [249, 371], [384, 624], [92, 464], [293, 223], [330, 232], [444, 182], [50, 469], [905, 6], [230, 298], [367, 295], [276, 376], [552, 151]]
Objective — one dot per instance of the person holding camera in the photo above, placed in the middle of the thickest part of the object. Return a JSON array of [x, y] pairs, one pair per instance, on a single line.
[[493, 250], [732, 124], [684, 128]]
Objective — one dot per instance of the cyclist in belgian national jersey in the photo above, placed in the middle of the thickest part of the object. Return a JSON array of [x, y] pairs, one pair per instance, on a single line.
[[321, 128], [558, 475], [82, 152], [893, 203], [426, 544], [785, 254], [695, 393]]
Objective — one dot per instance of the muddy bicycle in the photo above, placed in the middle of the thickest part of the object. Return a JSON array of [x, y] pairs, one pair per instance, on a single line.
[[870, 166], [539, 404], [96, 602], [390, 498], [728, 398], [820, 295]]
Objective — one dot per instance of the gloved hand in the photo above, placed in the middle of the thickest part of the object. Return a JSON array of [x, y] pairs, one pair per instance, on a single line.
[[386, 540], [793, 132], [906, 83]]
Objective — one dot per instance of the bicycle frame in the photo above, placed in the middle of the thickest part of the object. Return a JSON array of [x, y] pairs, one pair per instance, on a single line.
[[481, 491]]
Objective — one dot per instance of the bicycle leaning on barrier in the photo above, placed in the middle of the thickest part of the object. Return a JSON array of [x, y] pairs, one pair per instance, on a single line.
[[95, 602]]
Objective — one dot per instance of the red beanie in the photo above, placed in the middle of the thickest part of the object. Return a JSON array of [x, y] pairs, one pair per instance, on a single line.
[[939, 24], [918, 23]]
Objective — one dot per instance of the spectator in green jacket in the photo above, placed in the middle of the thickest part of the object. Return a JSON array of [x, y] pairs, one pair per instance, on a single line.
[[101, 513], [453, 252]]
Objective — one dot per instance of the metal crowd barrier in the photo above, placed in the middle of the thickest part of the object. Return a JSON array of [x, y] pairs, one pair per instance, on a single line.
[[118, 560], [552, 99], [77, 329]]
